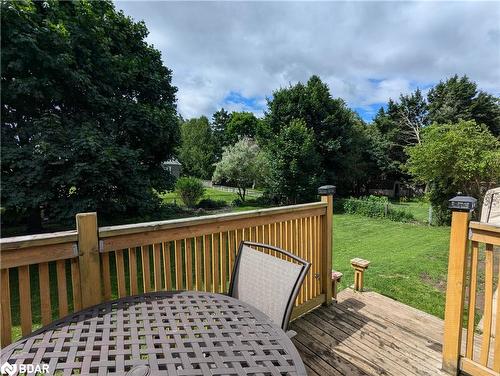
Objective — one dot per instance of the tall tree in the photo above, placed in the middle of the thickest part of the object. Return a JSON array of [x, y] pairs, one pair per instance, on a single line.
[[197, 152], [458, 98], [240, 125], [293, 164], [220, 120], [88, 110], [332, 123], [462, 157]]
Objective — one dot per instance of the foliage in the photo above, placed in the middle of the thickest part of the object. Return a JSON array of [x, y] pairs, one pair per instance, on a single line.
[[88, 111], [293, 165], [462, 157], [190, 190], [337, 139], [376, 207], [459, 99], [241, 124], [239, 166], [208, 203], [197, 152], [220, 120]]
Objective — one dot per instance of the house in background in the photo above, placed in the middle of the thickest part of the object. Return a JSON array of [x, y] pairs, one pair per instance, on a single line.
[[173, 166]]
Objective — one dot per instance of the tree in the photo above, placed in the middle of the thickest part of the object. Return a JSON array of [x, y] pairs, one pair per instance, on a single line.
[[239, 165], [462, 157], [220, 120], [333, 125], [88, 111], [197, 152], [190, 190], [293, 164], [458, 98], [241, 124], [412, 117]]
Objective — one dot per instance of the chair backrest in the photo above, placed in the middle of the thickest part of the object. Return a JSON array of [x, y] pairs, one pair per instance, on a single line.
[[490, 212], [266, 282]]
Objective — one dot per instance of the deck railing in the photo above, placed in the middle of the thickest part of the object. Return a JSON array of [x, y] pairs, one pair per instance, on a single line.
[[472, 278], [75, 269]]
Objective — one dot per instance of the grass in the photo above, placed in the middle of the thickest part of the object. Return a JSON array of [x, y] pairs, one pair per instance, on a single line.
[[408, 261], [419, 209], [211, 193]]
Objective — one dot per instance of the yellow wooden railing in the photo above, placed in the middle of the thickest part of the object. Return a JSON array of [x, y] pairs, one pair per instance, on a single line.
[[474, 254], [92, 264]]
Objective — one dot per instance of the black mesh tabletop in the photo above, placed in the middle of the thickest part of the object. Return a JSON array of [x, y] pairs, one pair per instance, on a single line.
[[161, 333]]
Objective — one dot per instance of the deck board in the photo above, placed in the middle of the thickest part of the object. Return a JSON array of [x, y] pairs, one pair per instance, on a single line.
[[369, 334]]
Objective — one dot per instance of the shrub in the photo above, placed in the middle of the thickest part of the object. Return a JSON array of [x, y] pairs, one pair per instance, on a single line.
[[376, 207], [190, 190], [208, 203]]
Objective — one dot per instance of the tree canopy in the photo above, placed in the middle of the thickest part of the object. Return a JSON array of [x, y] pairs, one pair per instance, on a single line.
[[197, 151], [88, 110], [458, 98], [332, 123], [462, 157], [293, 164]]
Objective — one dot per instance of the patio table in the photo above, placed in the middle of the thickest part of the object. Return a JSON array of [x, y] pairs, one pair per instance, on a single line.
[[161, 333]]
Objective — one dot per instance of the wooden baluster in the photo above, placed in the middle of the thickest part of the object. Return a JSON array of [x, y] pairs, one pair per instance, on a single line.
[[62, 290], [189, 264], [45, 304], [469, 350], [146, 270], [120, 273], [198, 262], [178, 264], [25, 299], [132, 270], [75, 283], [488, 305], [232, 251], [223, 262], [206, 261], [106, 276], [215, 262], [167, 267], [157, 266], [455, 291], [6, 321]]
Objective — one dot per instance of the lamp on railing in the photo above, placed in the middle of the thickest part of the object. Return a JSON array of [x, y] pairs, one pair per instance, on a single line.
[[462, 203]]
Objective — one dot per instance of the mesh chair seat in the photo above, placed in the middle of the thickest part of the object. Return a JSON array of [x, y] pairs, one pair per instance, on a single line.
[[266, 282]]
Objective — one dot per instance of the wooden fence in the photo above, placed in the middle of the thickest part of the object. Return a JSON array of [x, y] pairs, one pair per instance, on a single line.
[[77, 269], [472, 278]]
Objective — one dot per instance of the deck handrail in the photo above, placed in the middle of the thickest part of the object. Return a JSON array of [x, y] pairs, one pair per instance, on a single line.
[[93, 264]]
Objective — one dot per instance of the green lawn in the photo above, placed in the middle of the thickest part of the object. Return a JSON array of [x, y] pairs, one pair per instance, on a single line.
[[213, 194], [408, 261], [419, 209]]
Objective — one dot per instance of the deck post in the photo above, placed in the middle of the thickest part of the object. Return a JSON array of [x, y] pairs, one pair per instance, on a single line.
[[461, 207], [326, 192], [89, 259]]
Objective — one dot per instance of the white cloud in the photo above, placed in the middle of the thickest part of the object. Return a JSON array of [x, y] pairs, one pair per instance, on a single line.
[[366, 51]]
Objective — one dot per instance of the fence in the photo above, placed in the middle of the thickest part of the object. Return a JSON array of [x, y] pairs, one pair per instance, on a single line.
[[77, 269], [473, 251]]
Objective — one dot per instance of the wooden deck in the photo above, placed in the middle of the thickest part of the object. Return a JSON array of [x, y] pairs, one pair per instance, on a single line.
[[369, 334]]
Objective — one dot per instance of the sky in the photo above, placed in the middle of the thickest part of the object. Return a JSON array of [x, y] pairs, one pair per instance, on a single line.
[[235, 54]]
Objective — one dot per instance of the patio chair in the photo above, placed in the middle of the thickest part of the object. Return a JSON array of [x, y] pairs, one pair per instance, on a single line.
[[266, 282]]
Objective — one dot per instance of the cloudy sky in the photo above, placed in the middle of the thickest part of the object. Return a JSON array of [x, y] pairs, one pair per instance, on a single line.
[[234, 54]]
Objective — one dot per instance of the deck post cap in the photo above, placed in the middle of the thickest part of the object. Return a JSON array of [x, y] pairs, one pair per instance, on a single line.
[[462, 203], [326, 190]]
